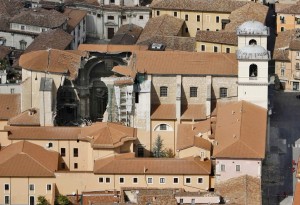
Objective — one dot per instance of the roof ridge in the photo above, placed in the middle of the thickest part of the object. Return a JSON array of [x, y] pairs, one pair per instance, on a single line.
[[39, 162]]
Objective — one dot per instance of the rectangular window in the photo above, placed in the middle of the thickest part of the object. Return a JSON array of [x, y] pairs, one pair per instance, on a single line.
[[75, 165], [215, 49], [63, 152], [49, 187], [140, 151], [110, 18], [157, 13], [175, 180], [162, 180], [135, 180], [193, 92], [186, 29], [282, 72], [227, 50], [149, 180], [31, 200], [217, 19], [141, 17], [163, 91], [112, 1], [198, 18], [175, 13], [181, 201], [282, 29], [200, 180], [223, 92], [12, 91], [31, 187], [163, 127], [136, 97], [6, 187], [222, 167], [238, 168], [121, 180], [202, 47], [188, 180], [101, 180], [6, 200], [107, 180], [186, 17], [22, 27], [75, 152], [124, 17]]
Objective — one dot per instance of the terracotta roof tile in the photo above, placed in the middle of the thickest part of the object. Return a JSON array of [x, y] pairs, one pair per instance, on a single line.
[[296, 200], [281, 55], [222, 37], [10, 8], [193, 111], [29, 117], [55, 39], [173, 42], [164, 25], [40, 17], [187, 135], [10, 105], [289, 9], [240, 131], [241, 190], [250, 11], [88, 2], [106, 48], [281, 6], [24, 159], [107, 135], [179, 62], [53, 61], [225, 6], [127, 34], [163, 111], [129, 165], [74, 16]]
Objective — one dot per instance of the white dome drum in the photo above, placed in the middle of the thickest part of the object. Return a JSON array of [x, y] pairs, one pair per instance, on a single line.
[[252, 28]]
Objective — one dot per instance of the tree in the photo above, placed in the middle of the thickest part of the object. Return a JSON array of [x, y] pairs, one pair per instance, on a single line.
[[169, 153], [62, 200], [42, 201], [158, 148]]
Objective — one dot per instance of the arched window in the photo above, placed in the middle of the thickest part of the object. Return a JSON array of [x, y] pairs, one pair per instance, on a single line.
[[252, 42], [253, 71], [163, 127]]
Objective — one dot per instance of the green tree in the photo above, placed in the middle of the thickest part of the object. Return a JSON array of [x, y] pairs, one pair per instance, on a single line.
[[42, 201], [158, 148], [62, 200]]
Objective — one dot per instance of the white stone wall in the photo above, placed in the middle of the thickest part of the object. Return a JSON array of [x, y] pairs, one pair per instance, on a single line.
[[139, 18], [13, 39], [10, 88], [244, 40]]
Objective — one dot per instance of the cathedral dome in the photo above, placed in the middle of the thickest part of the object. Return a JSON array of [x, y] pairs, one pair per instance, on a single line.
[[253, 52], [252, 28]]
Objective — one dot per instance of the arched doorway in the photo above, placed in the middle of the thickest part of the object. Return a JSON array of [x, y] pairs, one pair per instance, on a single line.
[[98, 100]]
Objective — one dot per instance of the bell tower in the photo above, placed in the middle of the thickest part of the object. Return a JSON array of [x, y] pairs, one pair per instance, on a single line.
[[253, 57]]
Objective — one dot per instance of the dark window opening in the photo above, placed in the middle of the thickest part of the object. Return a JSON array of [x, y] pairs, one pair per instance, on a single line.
[[253, 71]]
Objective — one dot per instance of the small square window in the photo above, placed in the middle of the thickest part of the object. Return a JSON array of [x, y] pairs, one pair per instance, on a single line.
[[163, 127], [141, 17], [107, 180], [22, 27], [223, 92], [200, 180], [6, 187], [238, 168], [49, 187], [198, 29], [186, 17], [163, 91], [31, 187], [162, 180], [75, 165], [149, 180], [122, 180], [175, 180], [188, 180], [124, 17], [175, 13], [193, 92], [135, 180], [101, 180], [227, 50], [222, 167], [202, 47], [63, 152], [112, 1], [110, 18], [6, 200], [215, 49]]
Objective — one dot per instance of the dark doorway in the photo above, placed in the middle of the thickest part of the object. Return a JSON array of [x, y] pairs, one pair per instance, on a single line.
[[98, 100], [110, 33]]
